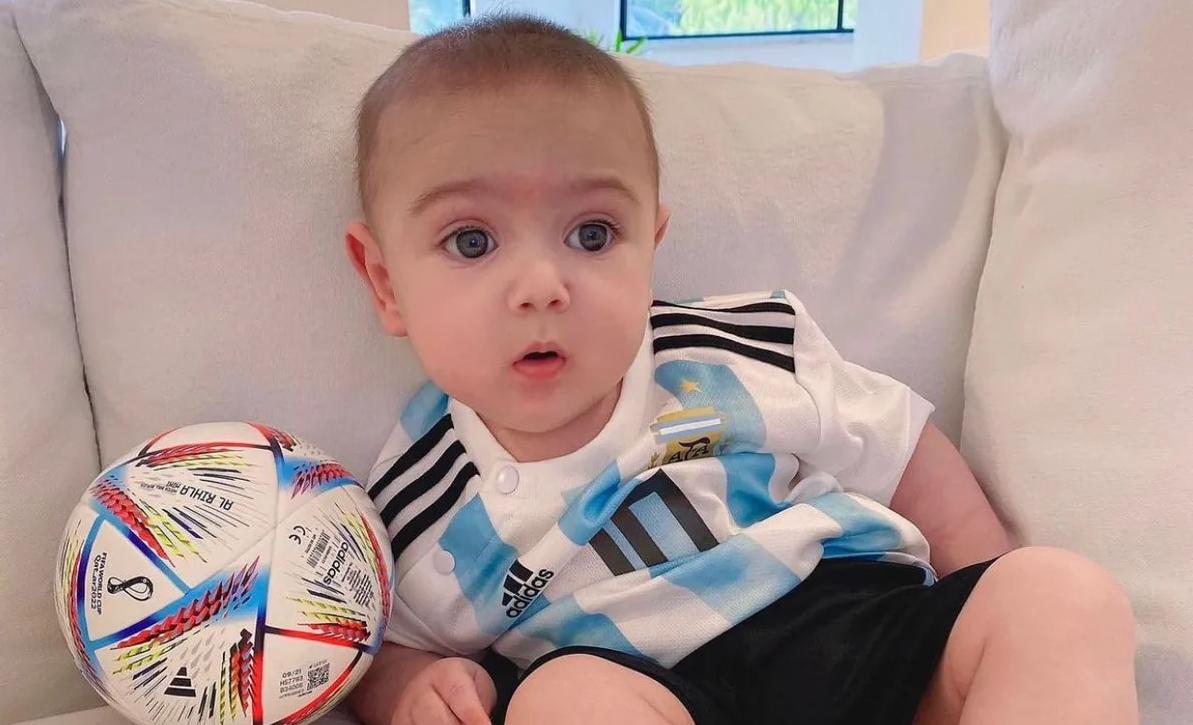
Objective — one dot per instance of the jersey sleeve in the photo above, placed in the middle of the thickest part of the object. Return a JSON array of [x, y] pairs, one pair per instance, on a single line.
[[868, 424]]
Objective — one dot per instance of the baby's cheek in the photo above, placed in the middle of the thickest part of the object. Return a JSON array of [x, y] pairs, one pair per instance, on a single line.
[[444, 345]]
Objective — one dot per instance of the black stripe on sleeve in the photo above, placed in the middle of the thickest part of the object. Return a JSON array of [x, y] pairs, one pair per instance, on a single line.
[[762, 333], [775, 306], [419, 486], [413, 454], [770, 357], [437, 510]]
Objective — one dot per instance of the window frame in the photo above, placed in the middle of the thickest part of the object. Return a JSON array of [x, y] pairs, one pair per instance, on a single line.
[[623, 8]]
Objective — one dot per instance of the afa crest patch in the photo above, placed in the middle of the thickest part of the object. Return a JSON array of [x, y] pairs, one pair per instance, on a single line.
[[687, 434]]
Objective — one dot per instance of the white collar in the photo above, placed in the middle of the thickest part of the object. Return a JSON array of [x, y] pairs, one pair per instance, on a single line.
[[623, 429]]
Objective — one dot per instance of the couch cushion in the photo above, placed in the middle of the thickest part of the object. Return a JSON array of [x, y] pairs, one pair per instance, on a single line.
[[389, 14], [47, 444], [1081, 371]]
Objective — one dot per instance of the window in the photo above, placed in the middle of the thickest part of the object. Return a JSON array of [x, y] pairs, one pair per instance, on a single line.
[[715, 18], [427, 16]]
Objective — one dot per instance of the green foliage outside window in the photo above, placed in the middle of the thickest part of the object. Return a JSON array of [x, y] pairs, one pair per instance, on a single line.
[[719, 17]]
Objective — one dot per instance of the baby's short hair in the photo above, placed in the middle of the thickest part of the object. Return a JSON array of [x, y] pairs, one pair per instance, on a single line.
[[482, 53]]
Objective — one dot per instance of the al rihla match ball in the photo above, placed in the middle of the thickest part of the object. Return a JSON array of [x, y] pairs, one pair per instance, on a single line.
[[224, 573]]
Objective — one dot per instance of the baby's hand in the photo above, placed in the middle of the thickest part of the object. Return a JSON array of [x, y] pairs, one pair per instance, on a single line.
[[451, 691]]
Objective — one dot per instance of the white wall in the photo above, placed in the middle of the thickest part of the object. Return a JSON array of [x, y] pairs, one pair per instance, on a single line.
[[390, 13], [888, 31]]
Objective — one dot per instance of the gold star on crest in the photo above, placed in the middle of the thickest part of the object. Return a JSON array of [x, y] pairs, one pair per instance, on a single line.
[[690, 386]]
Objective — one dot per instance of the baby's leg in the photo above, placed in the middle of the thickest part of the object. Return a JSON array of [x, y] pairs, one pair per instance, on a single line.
[[1046, 637], [577, 689]]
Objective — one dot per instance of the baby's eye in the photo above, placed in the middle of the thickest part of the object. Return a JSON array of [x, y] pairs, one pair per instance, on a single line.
[[469, 243], [590, 236]]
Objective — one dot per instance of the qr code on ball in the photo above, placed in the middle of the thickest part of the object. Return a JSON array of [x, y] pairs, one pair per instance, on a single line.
[[317, 675]]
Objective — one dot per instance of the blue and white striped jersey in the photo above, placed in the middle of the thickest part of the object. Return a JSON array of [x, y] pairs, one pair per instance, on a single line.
[[741, 452]]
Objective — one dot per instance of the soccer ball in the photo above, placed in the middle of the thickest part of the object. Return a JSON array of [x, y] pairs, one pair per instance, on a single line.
[[224, 573]]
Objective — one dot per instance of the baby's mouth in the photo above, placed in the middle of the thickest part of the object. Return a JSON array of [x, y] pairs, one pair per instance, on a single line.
[[542, 364]]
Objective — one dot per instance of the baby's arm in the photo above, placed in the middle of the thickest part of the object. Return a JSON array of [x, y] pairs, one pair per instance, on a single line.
[[408, 686], [939, 494]]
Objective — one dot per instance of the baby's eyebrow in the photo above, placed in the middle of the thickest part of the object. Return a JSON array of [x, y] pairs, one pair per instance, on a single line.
[[486, 186], [452, 188], [602, 183]]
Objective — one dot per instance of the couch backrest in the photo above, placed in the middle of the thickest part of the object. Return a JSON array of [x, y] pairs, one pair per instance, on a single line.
[[47, 442], [209, 182]]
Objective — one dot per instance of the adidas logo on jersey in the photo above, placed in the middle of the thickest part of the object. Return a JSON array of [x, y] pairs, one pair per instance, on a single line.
[[521, 587]]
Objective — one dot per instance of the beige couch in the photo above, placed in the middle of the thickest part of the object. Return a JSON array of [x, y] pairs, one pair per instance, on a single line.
[[1010, 238]]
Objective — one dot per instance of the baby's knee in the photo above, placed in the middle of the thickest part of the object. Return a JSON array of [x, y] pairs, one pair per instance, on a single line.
[[1059, 584], [559, 677]]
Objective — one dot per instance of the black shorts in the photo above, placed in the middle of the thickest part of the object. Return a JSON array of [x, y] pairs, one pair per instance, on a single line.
[[857, 642]]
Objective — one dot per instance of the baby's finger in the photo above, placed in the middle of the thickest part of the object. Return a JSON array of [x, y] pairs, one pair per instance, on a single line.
[[467, 707], [459, 692], [485, 688], [430, 709]]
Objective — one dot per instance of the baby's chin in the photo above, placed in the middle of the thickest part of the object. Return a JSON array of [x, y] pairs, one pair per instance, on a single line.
[[552, 414], [530, 420]]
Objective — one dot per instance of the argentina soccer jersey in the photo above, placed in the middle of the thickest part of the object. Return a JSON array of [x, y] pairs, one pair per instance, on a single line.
[[742, 451]]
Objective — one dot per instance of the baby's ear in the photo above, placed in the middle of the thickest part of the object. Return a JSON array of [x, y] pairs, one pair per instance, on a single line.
[[365, 254], [662, 219]]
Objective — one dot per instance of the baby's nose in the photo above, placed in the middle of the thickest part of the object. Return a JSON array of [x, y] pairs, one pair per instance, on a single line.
[[540, 288]]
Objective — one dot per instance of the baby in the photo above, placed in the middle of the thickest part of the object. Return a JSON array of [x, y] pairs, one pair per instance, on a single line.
[[608, 509]]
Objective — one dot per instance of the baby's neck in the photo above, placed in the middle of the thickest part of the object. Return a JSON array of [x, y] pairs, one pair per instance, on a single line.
[[572, 436]]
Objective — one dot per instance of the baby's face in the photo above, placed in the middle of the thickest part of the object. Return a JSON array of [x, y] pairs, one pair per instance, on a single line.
[[518, 228]]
